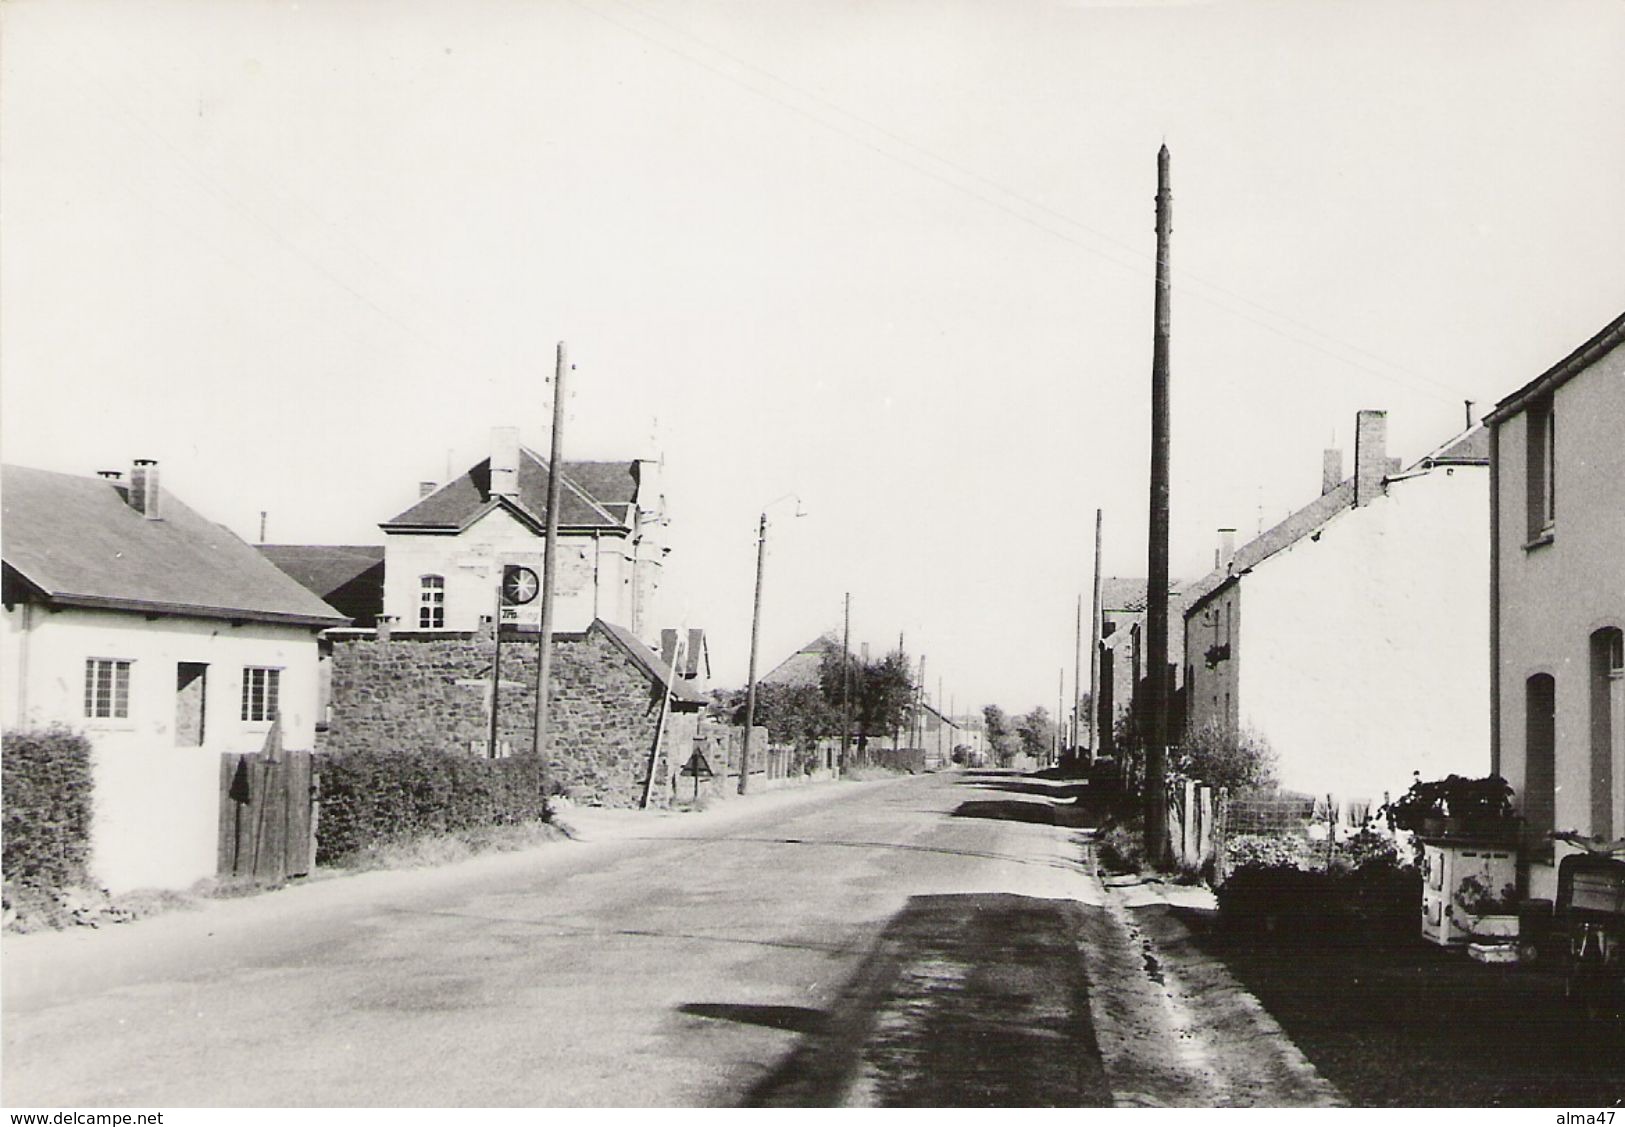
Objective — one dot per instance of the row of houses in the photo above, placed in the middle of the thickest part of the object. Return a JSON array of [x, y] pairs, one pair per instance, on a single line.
[[1460, 614], [170, 641]]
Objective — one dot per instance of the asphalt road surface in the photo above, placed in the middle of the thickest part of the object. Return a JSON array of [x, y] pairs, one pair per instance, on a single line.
[[911, 942]]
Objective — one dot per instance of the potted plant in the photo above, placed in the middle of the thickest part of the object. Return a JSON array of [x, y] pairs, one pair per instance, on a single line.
[[1483, 913], [1456, 806]]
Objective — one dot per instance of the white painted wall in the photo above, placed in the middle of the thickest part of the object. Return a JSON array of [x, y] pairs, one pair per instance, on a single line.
[[1553, 596], [472, 563], [1365, 652], [156, 811]]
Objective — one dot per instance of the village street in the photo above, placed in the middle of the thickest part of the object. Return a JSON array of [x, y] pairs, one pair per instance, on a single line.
[[926, 940]]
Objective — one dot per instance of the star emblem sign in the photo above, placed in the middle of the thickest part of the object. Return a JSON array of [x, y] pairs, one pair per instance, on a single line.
[[519, 586]]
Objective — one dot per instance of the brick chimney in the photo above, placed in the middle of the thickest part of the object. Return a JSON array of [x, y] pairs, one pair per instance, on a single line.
[[1370, 455], [425, 488], [1331, 471], [504, 461], [1226, 551], [143, 495]]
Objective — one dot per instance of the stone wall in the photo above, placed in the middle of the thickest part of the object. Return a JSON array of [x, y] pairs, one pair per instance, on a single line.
[[432, 693]]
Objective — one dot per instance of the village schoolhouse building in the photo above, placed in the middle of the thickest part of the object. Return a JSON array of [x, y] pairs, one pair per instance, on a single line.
[[166, 640], [1557, 601], [444, 556], [1349, 635]]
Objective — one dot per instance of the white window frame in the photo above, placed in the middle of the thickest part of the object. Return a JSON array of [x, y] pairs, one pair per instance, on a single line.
[[95, 699], [431, 602], [264, 709]]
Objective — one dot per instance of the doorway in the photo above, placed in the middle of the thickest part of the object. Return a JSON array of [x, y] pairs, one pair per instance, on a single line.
[[191, 678]]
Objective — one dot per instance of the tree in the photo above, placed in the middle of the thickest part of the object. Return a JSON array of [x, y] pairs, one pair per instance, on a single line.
[[797, 715], [882, 692], [1225, 757], [1001, 734], [1037, 733]]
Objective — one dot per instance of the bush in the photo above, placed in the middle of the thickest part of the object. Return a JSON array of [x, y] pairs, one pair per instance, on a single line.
[[1268, 851], [370, 799], [46, 782], [1224, 757], [1280, 890]]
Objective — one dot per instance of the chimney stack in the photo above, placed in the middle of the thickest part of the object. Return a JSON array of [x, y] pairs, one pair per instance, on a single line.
[[110, 475], [1470, 419], [425, 488], [1370, 455], [1226, 550], [143, 495], [504, 461], [1331, 471]]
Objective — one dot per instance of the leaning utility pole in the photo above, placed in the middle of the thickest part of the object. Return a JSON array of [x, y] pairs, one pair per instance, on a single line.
[[755, 634], [550, 557], [1156, 594]]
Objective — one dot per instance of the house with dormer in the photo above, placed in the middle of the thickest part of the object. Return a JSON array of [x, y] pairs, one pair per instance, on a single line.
[[445, 555], [162, 637], [1353, 634]]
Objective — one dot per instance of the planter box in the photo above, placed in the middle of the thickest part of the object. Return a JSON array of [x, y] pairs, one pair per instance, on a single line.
[[1479, 928], [1439, 828]]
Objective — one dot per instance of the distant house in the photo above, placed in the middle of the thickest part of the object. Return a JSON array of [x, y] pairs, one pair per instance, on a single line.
[[1124, 653], [803, 668], [1557, 599], [1349, 635], [163, 637], [444, 556]]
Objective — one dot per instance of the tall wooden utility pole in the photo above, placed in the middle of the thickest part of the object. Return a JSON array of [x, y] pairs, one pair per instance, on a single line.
[[1094, 655], [550, 556], [846, 682], [755, 634], [1077, 678], [1060, 698], [1156, 600]]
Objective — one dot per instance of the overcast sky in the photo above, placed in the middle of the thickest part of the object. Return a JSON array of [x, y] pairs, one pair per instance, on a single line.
[[894, 257]]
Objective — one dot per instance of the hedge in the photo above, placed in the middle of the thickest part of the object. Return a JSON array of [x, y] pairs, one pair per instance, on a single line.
[[1374, 903], [371, 798], [46, 780]]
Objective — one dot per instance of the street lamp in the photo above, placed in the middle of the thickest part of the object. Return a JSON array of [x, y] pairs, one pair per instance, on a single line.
[[755, 634]]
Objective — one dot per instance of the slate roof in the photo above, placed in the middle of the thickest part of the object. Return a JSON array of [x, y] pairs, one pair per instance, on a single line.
[[458, 504], [1471, 447], [74, 541], [646, 659], [324, 568]]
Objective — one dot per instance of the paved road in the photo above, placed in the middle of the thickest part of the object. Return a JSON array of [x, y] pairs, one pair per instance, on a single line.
[[913, 941], [934, 941]]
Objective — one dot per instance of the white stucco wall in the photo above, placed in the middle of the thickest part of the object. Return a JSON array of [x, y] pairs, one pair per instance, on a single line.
[[156, 813], [1554, 596], [1365, 651], [472, 563]]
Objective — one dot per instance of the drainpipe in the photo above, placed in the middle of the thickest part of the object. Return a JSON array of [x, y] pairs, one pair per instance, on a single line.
[[22, 664]]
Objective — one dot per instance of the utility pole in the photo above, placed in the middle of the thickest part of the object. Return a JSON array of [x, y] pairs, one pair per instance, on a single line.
[[1156, 610], [550, 556], [1094, 655], [262, 526], [1060, 699], [943, 723], [917, 737], [846, 682], [1077, 677], [755, 633], [496, 659]]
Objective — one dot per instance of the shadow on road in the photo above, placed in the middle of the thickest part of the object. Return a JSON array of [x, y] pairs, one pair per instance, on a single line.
[[1008, 810], [974, 1000], [1023, 786]]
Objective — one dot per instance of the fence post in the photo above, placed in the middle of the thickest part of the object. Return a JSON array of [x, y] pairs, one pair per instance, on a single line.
[[1221, 836], [1204, 825]]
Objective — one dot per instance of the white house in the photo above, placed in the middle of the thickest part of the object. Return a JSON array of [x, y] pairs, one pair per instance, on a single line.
[[1557, 605], [1352, 635], [164, 638], [444, 556]]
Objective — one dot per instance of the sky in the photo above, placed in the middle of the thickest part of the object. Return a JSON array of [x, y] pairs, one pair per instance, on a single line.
[[892, 258]]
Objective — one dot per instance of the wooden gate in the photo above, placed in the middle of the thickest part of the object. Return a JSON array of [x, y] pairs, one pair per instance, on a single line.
[[267, 813]]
